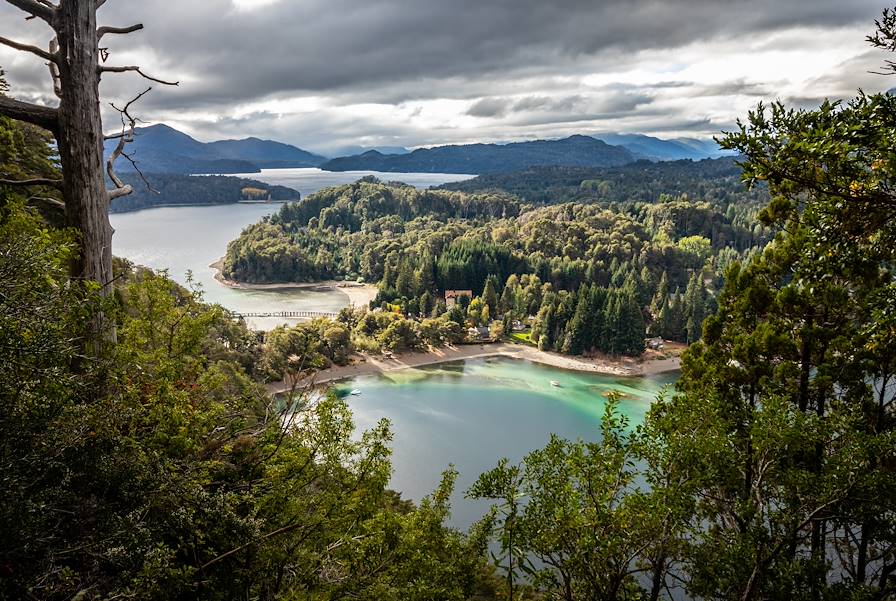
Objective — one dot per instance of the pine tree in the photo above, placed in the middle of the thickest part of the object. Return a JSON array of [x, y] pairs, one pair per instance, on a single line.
[[426, 303], [404, 282], [506, 303], [609, 336], [490, 295], [576, 337], [630, 337], [597, 302], [661, 297], [388, 280], [426, 275], [545, 321], [673, 322], [694, 307]]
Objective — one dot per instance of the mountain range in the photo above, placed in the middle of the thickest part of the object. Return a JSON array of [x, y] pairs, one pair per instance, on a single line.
[[574, 151], [163, 149], [656, 149]]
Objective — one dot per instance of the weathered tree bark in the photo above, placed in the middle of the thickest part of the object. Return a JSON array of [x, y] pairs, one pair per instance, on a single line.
[[80, 141], [75, 66]]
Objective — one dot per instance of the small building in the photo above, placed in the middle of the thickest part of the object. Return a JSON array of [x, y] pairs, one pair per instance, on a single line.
[[655, 344], [519, 326], [478, 333], [453, 296]]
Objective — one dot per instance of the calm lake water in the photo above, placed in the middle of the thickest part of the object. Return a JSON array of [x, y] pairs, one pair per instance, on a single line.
[[182, 239], [471, 413]]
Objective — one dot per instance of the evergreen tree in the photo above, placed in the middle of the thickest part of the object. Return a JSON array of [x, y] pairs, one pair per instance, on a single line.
[[507, 301], [426, 303], [576, 337], [425, 277], [630, 336], [404, 281], [694, 307], [490, 295], [388, 281], [660, 297], [597, 302]]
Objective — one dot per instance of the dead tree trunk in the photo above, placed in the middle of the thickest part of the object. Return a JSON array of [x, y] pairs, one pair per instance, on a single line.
[[80, 141], [76, 68]]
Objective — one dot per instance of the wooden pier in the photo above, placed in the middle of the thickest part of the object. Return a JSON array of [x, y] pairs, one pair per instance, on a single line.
[[289, 314]]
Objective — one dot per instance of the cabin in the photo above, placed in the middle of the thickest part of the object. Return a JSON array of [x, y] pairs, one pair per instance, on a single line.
[[453, 296], [478, 333], [655, 344]]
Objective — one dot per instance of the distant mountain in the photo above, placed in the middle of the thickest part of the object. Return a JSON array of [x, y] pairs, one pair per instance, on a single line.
[[163, 149], [346, 151], [267, 154], [709, 147], [575, 151], [656, 149]]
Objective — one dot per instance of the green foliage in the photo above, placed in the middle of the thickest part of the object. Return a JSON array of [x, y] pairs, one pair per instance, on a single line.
[[166, 472], [27, 152], [571, 519], [166, 189], [714, 180], [417, 244]]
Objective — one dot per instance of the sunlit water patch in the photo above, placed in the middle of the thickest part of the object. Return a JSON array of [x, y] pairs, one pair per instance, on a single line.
[[471, 413]]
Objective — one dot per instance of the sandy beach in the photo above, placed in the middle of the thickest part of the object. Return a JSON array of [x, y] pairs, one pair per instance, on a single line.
[[363, 365], [358, 294]]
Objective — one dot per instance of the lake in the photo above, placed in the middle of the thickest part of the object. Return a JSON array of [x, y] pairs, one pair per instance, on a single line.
[[471, 413], [182, 239]]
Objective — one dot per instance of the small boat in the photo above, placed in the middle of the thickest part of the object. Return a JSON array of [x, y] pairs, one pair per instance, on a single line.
[[355, 392], [555, 383]]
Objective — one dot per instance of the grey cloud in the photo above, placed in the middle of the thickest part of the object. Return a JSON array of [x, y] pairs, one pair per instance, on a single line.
[[325, 45], [489, 107], [738, 87], [515, 61]]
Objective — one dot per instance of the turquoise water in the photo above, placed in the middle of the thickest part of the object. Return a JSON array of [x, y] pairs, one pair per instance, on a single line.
[[471, 413]]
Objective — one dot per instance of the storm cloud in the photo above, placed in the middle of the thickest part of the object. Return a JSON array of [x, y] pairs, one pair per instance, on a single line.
[[327, 73]]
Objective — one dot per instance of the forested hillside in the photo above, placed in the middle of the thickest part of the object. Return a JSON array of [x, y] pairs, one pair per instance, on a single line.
[[141, 456], [489, 158], [714, 180], [161, 469], [670, 255], [165, 189]]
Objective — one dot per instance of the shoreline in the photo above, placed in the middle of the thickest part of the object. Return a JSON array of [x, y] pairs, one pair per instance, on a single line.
[[366, 365], [359, 295], [649, 364]]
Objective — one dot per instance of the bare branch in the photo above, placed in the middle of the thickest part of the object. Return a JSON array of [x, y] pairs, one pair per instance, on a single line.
[[37, 9], [118, 30], [140, 173], [42, 116], [54, 68], [128, 123], [140, 72], [37, 181], [119, 192], [28, 48]]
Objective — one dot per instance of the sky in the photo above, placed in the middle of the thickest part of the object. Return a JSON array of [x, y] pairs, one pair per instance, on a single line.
[[328, 74]]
